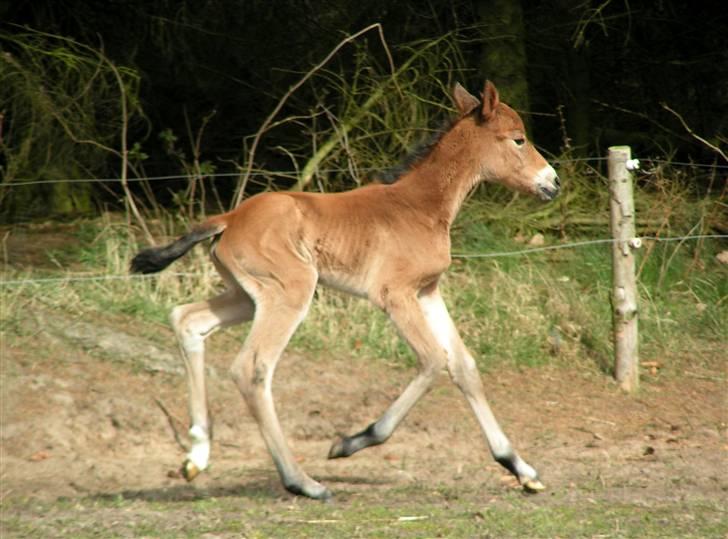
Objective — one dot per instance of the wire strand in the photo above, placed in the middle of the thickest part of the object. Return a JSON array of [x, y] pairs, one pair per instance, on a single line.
[[25, 182], [685, 164], [90, 278], [581, 244]]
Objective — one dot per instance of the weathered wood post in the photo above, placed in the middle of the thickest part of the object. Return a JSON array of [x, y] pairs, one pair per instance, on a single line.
[[624, 289]]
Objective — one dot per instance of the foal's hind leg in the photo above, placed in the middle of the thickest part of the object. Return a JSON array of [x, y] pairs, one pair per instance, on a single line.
[[193, 323], [280, 309]]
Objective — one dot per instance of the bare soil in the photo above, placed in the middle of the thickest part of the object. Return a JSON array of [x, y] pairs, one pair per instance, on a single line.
[[83, 419], [89, 407]]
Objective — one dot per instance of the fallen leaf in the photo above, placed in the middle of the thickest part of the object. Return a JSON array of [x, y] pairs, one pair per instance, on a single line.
[[649, 364], [537, 240], [40, 455]]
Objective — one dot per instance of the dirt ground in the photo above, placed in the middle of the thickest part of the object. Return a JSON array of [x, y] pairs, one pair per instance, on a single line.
[[82, 414]]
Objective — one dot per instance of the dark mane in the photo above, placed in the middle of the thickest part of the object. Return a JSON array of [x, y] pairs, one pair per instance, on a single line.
[[421, 150]]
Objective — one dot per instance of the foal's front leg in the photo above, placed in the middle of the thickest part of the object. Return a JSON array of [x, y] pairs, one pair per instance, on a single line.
[[429, 330], [193, 323], [407, 313], [464, 372]]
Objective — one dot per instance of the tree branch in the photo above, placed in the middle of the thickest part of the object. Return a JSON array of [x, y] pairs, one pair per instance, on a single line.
[[693, 134], [266, 124]]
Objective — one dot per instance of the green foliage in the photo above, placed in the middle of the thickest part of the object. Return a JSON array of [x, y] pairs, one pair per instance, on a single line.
[[363, 118], [193, 201], [61, 105], [239, 58]]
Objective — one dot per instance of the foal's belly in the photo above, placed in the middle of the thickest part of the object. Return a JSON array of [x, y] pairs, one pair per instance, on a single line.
[[356, 285]]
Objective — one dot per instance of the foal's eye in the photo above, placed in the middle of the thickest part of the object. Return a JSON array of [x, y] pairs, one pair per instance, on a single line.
[[519, 141]]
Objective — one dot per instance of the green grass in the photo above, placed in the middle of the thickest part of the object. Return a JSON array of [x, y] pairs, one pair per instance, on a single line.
[[520, 310], [406, 512]]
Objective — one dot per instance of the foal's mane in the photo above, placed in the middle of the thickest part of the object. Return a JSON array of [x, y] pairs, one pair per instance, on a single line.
[[418, 153]]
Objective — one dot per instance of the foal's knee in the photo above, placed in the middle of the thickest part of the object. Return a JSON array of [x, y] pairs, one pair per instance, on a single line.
[[463, 371]]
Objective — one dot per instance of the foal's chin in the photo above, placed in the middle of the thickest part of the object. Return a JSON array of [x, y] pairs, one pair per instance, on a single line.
[[547, 194]]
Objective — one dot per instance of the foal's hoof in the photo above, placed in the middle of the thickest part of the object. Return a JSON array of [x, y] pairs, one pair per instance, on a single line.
[[337, 449], [189, 470], [313, 490], [533, 486], [325, 496]]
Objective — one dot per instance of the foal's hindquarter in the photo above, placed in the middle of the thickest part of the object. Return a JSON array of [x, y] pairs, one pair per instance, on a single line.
[[388, 243]]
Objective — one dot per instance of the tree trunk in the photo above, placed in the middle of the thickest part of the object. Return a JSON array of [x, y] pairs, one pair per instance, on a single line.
[[503, 54], [576, 90]]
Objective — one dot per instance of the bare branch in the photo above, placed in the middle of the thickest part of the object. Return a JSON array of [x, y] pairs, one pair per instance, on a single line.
[[125, 149], [172, 424], [693, 134], [267, 123]]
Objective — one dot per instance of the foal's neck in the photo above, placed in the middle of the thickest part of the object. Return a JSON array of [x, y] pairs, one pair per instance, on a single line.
[[437, 186]]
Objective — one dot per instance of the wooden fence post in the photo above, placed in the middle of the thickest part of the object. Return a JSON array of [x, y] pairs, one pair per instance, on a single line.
[[624, 288]]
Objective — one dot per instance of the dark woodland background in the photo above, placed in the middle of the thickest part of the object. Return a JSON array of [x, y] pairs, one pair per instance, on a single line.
[[585, 74]]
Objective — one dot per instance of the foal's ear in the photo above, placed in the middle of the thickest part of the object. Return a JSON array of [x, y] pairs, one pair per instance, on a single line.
[[464, 100], [490, 100]]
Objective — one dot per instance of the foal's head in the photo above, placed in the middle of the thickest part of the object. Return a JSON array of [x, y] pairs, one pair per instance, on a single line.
[[498, 140]]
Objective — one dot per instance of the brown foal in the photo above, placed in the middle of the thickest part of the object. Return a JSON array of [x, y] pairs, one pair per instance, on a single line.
[[389, 243]]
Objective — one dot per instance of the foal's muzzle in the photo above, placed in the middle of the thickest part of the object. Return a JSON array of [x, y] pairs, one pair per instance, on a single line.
[[547, 183], [550, 193]]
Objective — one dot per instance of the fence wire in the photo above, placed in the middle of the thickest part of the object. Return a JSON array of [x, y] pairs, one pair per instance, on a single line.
[[482, 255], [584, 243], [520, 252], [261, 172]]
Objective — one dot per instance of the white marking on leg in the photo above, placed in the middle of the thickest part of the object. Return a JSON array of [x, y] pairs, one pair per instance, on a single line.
[[525, 471], [439, 321], [199, 454], [192, 343]]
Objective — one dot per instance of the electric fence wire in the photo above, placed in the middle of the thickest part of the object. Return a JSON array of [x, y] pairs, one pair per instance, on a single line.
[[25, 182], [520, 252]]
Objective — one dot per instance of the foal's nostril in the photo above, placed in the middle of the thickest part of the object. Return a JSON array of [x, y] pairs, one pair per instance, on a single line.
[[557, 183]]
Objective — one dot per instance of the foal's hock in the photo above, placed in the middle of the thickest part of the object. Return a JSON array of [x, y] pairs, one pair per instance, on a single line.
[[388, 243]]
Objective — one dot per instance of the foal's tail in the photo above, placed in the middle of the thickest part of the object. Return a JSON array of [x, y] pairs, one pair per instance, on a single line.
[[155, 259]]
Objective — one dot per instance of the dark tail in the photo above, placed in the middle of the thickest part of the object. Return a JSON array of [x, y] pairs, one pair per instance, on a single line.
[[155, 259]]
